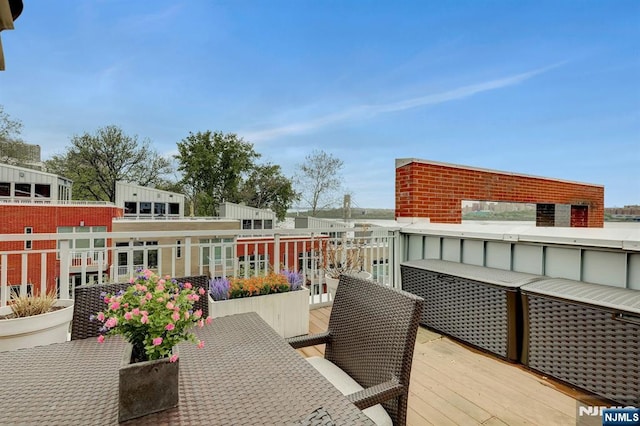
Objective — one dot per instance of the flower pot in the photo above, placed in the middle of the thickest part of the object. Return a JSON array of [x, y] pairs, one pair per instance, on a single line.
[[146, 387], [287, 313], [37, 330], [332, 283]]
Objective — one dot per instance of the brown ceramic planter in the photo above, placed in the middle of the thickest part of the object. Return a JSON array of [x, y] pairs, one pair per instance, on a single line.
[[146, 387]]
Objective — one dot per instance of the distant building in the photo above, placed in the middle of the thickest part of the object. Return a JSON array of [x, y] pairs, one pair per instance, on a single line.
[[251, 217], [144, 202], [435, 191], [33, 202], [20, 153]]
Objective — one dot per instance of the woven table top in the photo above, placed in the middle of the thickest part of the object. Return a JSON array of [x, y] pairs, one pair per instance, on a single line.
[[245, 375]]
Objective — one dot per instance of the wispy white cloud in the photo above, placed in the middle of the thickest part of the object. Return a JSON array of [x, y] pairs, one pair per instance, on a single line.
[[156, 20], [368, 111]]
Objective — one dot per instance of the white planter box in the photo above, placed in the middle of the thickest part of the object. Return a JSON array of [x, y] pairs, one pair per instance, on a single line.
[[27, 332], [287, 313]]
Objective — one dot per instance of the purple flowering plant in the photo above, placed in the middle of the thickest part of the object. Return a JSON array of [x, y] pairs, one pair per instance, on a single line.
[[233, 288], [295, 279], [153, 314]]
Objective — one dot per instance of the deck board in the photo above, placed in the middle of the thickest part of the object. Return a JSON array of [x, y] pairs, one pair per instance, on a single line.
[[454, 384]]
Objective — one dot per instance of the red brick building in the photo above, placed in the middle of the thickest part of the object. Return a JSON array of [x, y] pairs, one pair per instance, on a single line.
[[35, 202], [428, 189], [51, 219]]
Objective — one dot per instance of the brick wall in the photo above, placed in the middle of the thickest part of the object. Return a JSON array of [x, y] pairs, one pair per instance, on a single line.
[[45, 219], [426, 189]]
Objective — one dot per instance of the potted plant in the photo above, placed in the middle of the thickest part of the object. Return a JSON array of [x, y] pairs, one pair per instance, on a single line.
[[30, 321], [153, 314], [338, 258], [280, 299]]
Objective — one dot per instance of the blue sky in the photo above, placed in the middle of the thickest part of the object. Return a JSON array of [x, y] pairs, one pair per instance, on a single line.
[[547, 88]]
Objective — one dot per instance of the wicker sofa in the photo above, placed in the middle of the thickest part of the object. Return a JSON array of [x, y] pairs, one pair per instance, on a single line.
[[371, 336]]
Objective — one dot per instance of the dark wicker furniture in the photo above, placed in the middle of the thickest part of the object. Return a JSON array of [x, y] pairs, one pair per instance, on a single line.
[[371, 336], [245, 375], [587, 335], [88, 302], [475, 304]]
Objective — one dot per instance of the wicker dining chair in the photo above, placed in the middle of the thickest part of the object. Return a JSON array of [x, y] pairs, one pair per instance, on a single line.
[[88, 302], [371, 337]]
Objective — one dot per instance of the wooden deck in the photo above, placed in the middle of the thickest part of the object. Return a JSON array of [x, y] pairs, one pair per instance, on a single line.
[[453, 384]]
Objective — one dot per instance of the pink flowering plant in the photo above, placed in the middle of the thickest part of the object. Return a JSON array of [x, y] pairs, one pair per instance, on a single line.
[[153, 314]]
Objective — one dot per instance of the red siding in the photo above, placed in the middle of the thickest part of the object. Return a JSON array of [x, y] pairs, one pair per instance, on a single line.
[[46, 219], [436, 191]]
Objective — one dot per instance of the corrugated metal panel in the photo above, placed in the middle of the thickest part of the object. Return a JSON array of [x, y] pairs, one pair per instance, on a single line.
[[451, 249], [237, 211], [473, 252], [634, 271], [528, 259], [593, 294], [563, 263], [20, 174], [432, 247], [129, 192], [604, 267], [498, 255]]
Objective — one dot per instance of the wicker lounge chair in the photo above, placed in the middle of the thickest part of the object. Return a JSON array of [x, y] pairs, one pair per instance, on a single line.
[[371, 337], [88, 302]]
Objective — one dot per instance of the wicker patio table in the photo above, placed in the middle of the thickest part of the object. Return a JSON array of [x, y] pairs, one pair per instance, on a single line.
[[245, 375]]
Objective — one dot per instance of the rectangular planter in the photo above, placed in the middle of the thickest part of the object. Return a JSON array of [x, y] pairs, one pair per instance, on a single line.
[[287, 313], [146, 387]]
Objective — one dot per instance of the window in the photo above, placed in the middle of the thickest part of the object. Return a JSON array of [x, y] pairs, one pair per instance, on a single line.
[[159, 209], [253, 264], [22, 190], [174, 208], [5, 189], [42, 191], [217, 255], [85, 244], [63, 193], [178, 249], [268, 224], [152, 255], [17, 290], [257, 224], [27, 244], [246, 223], [130, 207], [380, 268], [145, 207], [144, 257]]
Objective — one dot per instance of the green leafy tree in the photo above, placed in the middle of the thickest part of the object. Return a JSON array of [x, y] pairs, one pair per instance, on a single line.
[[318, 180], [267, 187], [214, 165], [12, 149], [95, 162]]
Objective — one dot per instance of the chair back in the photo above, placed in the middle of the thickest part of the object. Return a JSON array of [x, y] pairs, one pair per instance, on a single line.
[[372, 332], [88, 302]]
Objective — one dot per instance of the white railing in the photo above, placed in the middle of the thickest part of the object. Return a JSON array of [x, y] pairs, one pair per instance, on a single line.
[[47, 261], [53, 261]]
